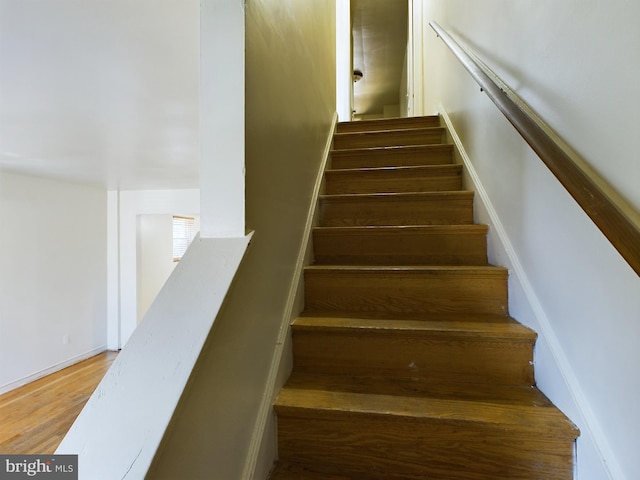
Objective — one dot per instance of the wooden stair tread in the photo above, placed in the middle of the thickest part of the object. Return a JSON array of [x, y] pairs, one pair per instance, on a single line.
[[290, 471], [435, 154], [498, 350], [410, 208], [409, 269], [403, 169], [400, 229], [420, 178], [401, 244], [393, 149], [347, 197], [542, 420], [413, 130], [418, 316], [382, 138], [466, 317], [389, 123], [419, 387], [493, 327], [394, 291], [351, 141], [401, 240]]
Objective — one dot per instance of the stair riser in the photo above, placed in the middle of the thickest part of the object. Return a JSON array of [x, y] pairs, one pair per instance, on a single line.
[[392, 157], [377, 448], [389, 124], [417, 355], [400, 248], [392, 181], [406, 295], [383, 210], [430, 136]]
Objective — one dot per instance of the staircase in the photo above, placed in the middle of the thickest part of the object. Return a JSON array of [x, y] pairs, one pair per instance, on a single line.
[[406, 362]]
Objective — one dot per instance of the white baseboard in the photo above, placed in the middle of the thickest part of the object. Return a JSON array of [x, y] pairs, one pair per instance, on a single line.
[[588, 423], [53, 369]]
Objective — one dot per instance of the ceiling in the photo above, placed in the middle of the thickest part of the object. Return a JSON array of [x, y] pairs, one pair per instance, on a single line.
[[379, 29], [104, 92]]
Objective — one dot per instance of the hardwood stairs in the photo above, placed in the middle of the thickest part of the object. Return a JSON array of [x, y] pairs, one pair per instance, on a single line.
[[406, 362]]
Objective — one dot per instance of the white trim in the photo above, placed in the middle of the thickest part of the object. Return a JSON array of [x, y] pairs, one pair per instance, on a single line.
[[416, 39], [53, 369], [344, 71], [114, 307], [589, 424], [256, 452], [222, 118]]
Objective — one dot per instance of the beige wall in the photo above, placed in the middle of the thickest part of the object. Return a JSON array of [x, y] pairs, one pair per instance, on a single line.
[[572, 63], [290, 104]]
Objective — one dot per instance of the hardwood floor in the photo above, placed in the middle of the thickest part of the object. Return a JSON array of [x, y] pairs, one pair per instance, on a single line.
[[35, 417]]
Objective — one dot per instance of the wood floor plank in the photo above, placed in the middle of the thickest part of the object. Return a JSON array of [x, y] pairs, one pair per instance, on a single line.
[[35, 417]]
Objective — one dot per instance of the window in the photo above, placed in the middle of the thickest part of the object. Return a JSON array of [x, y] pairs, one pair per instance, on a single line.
[[184, 229]]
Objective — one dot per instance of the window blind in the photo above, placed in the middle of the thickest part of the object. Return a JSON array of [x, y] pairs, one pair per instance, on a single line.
[[184, 229]]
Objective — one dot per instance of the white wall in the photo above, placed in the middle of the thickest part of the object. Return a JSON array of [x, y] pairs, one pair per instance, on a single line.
[[155, 257], [570, 61], [124, 209], [52, 276]]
